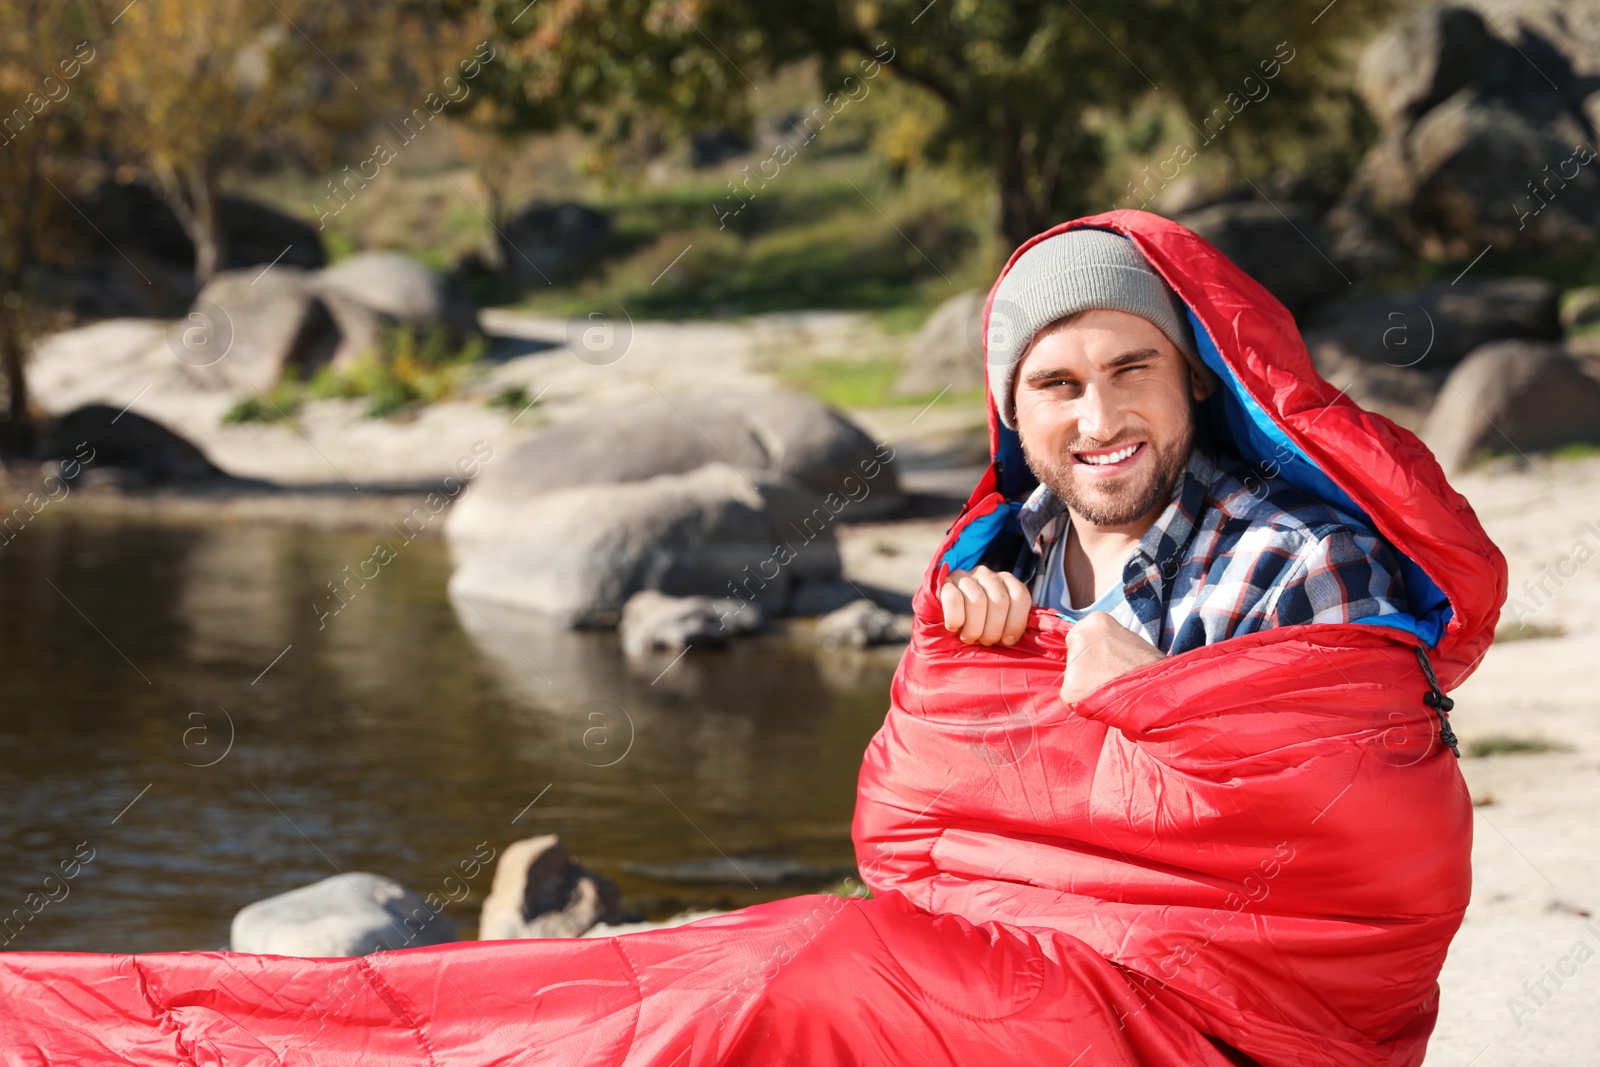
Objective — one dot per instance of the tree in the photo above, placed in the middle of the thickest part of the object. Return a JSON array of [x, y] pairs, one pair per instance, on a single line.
[[1022, 86], [198, 89], [44, 53], [630, 73]]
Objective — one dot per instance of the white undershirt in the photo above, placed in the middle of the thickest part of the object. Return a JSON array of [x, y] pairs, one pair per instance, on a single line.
[[1050, 586]]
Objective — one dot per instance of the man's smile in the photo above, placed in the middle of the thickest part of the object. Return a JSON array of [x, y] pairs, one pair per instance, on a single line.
[[1105, 462]]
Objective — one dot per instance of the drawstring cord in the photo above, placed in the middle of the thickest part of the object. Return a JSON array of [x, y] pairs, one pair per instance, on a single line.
[[1435, 698]]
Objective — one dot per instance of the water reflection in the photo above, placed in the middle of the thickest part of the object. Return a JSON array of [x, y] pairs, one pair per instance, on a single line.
[[393, 736]]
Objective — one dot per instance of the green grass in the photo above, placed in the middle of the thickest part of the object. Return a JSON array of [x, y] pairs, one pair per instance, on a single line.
[[406, 370], [1508, 744], [280, 404], [1525, 632], [864, 383], [1575, 450], [829, 233], [844, 382], [511, 398]]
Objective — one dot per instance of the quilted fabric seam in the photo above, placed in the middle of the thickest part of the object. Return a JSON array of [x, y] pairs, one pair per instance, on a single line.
[[638, 1011], [392, 999]]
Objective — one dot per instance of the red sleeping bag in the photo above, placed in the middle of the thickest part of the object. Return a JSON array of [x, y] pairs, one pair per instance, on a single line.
[[1263, 842]]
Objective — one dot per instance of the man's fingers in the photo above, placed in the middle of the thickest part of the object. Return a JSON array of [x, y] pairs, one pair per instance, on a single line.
[[985, 606], [954, 604], [995, 610], [976, 601], [1017, 618]]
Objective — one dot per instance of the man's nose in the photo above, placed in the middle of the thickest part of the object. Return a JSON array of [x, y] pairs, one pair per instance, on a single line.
[[1098, 416]]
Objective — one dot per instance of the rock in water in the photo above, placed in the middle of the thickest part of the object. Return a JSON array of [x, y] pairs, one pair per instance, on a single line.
[[720, 494], [539, 891], [776, 432], [347, 915], [1513, 396], [655, 622], [857, 625], [821, 597], [578, 554]]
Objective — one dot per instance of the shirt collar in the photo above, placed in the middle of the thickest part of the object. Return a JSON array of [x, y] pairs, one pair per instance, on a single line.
[[1044, 517]]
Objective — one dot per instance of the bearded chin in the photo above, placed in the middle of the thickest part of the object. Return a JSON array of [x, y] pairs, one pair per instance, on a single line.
[[1127, 497]]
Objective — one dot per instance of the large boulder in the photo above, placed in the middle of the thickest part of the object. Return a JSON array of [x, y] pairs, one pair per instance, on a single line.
[[372, 289], [781, 433], [1485, 140], [716, 494], [248, 328], [579, 553], [1422, 59], [347, 915], [947, 353], [141, 449], [254, 234], [1514, 396], [539, 891], [1283, 250], [550, 243], [1434, 326], [1486, 173]]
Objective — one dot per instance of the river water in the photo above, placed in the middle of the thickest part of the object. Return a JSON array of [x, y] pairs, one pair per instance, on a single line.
[[175, 704]]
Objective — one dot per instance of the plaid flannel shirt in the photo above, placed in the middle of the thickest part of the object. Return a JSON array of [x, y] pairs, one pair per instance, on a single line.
[[1233, 553]]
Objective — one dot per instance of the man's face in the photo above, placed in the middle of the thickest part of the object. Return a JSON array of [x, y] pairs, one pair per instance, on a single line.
[[1103, 404]]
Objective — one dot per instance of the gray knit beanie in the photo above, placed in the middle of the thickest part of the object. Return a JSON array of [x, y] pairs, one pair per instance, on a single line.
[[1071, 272]]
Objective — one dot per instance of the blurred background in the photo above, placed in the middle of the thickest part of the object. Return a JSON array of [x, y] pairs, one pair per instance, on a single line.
[[403, 397]]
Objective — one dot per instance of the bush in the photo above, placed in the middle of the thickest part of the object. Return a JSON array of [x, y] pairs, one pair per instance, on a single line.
[[279, 405], [405, 370], [511, 398]]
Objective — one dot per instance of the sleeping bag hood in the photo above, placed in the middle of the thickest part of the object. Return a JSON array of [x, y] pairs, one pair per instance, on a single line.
[[1254, 851], [1269, 835]]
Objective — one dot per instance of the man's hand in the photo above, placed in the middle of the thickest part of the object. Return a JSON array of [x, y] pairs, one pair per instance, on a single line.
[[985, 606], [1099, 648]]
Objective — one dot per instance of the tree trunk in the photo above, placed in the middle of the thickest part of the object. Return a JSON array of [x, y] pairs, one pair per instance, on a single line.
[[1030, 168], [18, 435], [193, 198], [1021, 216], [22, 216]]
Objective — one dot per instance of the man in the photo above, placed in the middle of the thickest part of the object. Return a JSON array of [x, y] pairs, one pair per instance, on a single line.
[[1140, 531]]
